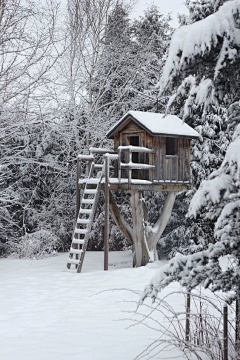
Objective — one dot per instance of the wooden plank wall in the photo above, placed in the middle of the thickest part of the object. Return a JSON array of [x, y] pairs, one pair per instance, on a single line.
[[167, 167], [175, 168]]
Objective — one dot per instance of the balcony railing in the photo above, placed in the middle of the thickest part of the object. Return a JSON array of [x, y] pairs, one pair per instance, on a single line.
[[130, 165]]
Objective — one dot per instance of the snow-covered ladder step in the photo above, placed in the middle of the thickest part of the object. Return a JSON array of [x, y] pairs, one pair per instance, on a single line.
[[83, 221], [85, 211], [73, 261], [87, 201], [78, 241], [80, 231], [90, 191], [75, 251]]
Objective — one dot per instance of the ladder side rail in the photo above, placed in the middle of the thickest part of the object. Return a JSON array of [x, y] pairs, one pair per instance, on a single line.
[[75, 246], [84, 248]]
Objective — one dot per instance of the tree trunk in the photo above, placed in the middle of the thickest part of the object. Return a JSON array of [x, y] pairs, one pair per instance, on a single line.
[[144, 238], [119, 220], [155, 233], [142, 256]]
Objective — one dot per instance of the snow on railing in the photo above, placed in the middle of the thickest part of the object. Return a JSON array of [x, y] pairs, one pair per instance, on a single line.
[[130, 165], [138, 149], [94, 150]]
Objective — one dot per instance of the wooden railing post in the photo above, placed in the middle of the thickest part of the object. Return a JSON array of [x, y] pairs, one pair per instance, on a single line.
[[188, 316], [119, 165], [130, 170], [225, 332], [151, 162], [106, 207]]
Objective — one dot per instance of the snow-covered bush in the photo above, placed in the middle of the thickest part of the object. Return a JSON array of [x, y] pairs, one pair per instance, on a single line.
[[36, 245]]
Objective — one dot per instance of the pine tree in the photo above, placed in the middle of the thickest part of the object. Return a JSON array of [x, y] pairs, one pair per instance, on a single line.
[[201, 73], [204, 68]]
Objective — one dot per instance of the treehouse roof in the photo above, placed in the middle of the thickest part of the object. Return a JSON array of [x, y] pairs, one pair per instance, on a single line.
[[155, 124]]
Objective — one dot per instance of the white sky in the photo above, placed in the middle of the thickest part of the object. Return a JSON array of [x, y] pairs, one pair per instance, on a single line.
[[165, 6]]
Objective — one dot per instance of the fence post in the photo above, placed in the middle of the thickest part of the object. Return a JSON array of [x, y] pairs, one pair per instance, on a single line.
[[188, 316], [106, 227], [225, 332], [237, 330]]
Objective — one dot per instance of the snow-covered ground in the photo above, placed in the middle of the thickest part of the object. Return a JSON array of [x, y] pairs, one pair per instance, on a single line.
[[47, 313]]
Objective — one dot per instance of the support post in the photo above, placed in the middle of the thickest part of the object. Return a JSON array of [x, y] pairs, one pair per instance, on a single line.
[[225, 332], [188, 316], [106, 207], [130, 171], [78, 186], [119, 165]]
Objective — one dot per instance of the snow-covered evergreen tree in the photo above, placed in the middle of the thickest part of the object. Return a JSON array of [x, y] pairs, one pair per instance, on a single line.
[[202, 71], [202, 96]]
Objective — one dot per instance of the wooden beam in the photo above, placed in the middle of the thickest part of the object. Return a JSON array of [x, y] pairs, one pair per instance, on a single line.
[[106, 207], [130, 171], [151, 187], [119, 220]]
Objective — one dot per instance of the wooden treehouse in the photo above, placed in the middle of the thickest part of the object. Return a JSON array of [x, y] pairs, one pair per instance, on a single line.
[[151, 153]]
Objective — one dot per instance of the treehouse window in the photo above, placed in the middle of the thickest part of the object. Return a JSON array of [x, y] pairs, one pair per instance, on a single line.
[[134, 141], [170, 146]]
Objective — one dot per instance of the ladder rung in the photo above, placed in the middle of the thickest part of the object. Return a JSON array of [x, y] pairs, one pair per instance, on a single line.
[[73, 261], [80, 231], [83, 221], [75, 251], [90, 191], [88, 201], [85, 211], [78, 241]]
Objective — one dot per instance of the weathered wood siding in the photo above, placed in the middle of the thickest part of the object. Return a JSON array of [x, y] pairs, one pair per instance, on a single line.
[[174, 168], [123, 138]]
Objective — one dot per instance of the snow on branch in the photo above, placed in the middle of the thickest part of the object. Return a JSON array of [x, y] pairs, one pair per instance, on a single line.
[[194, 269], [200, 37], [224, 179], [220, 195]]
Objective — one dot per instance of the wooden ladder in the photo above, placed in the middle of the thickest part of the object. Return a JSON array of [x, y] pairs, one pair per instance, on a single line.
[[85, 218]]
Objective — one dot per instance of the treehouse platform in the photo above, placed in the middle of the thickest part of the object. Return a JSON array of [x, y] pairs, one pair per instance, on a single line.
[[151, 153]]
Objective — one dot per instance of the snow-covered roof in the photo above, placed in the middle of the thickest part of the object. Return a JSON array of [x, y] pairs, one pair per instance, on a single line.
[[157, 124]]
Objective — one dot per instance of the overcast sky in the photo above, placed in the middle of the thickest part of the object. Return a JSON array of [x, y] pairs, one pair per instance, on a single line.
[[165, 7]]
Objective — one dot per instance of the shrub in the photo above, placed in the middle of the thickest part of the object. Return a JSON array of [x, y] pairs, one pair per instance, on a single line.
[[37, 245]]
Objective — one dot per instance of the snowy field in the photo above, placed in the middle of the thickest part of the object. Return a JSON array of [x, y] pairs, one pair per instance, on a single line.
[[48, 313]]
